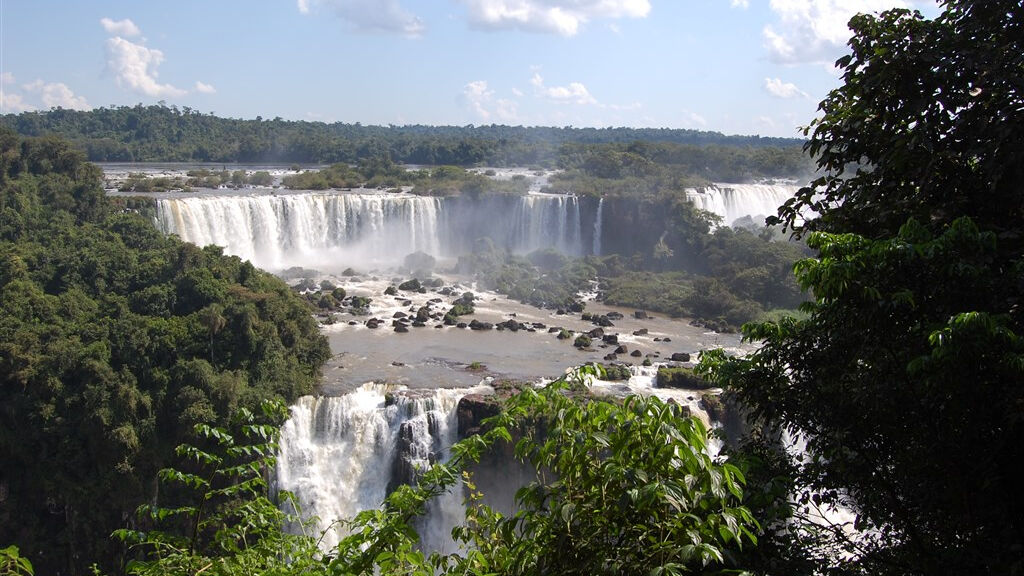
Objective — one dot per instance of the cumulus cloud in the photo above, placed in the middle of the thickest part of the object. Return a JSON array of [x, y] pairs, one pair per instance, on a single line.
[[815, 31], [370, 15], [776, 87], [551, 16], [479, 98], [741, 4], [124, 28], [135, 67], [13, 103], [204, 88], [57, 94], [573, 93]]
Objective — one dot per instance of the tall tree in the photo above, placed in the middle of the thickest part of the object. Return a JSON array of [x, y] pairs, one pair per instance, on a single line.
[[907, 379]]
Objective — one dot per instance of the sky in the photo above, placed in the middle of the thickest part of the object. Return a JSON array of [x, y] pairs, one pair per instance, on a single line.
[[732, 66]]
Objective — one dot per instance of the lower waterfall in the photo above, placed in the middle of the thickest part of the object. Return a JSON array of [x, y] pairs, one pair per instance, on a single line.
[[342, 455], [597, 227]]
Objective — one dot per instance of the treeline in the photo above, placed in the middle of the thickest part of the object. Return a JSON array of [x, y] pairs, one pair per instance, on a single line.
[[161, 133], [643, 167], [115, 341]]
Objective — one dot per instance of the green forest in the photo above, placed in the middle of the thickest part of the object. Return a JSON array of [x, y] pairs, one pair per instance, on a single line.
[[144, 379], [160, 133], [117, 341]]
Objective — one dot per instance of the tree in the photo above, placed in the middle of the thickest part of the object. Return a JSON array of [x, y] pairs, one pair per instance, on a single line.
[[907, 379]]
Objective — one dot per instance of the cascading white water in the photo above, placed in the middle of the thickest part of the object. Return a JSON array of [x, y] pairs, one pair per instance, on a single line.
[[735, 201], [597, 227], [547, 221], [339, 455], [277, 231]]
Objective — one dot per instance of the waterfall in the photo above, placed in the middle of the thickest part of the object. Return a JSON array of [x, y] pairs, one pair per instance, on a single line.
[[735, 201], [342, 455], [279, 231], [547, 221], [597, 227]]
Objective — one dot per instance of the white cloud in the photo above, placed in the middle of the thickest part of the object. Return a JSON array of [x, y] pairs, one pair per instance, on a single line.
[[479, 98], [573, 93], [125, 28], [57, 94], [6, 78], [135, 67], [204, 88], [517, 92], [815, 31], [692, 119], [476, 95], [564, 17], [370, 15], [741, 4], [776, 87], [13, 103]]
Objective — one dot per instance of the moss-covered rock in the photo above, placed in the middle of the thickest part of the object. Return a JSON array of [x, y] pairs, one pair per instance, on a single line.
[[680, 377]]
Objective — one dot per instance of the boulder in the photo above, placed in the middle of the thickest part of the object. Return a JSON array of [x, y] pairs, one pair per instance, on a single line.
[[478, 325], [640, 315], [640, 332], [681, 357], [410, 285], [473, 409]]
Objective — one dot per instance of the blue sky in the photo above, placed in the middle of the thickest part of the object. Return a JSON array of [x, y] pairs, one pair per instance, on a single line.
[[735, 66]]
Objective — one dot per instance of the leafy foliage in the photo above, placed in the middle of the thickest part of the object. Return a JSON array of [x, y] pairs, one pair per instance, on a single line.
[[226, 523], [904, 378], [115, 341], [621, 488], [13, 564]]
